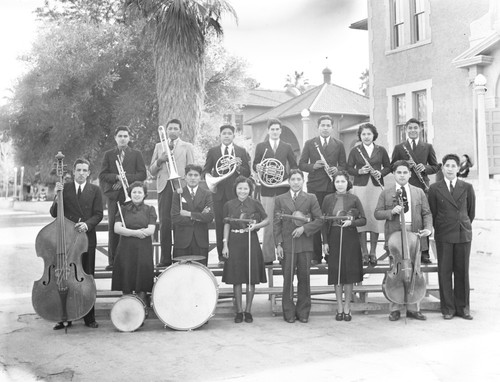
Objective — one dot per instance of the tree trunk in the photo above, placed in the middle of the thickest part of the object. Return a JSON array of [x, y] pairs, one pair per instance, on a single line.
[[180, 87]]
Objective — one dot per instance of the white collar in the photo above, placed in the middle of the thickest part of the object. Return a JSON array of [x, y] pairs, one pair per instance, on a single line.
[[370, 146], [192, 189], [274, 141], [79, 185], [453, 182], [292, 193], [230, 148], [416, 141]]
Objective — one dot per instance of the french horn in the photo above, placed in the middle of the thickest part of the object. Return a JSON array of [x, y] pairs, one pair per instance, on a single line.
[[271, 173], [224, 167]]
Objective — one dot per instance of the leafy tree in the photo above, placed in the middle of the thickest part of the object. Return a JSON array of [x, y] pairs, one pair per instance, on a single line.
[[90, 11], [181, 28], [297, 81]]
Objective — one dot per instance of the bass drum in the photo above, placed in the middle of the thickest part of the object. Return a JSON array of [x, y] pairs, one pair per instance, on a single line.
[[128, 313], [185, 295]]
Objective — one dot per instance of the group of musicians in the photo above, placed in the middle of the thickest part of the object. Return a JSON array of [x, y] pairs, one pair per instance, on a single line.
[[345, 200]]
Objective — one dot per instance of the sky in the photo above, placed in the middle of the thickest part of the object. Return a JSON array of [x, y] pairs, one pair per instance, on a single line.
[[275, 37]]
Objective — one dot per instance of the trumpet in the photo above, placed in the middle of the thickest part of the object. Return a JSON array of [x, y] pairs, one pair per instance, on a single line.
[[327, 167], [174, 176], [224, 167], [372, 170], [413, 167], [123, 179], [272, 173]]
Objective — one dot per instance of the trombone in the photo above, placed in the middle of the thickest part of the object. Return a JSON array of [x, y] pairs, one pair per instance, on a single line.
[[174, 176], [125, 186]]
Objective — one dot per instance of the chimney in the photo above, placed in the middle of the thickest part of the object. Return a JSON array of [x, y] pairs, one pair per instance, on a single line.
[[327, 76]]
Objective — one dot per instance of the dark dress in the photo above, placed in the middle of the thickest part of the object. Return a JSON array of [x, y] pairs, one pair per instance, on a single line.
[[133, 268], [236, 266], [351, 269]]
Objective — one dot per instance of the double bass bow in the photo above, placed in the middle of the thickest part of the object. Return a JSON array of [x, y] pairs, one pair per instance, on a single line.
[[404, 283], [65, 292]]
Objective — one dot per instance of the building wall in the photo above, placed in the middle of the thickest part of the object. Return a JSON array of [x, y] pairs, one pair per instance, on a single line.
[[428, 64]]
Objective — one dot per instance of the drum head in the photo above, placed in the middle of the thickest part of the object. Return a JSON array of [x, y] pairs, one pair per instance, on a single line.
[[189, 258], [128, 313], [185, 296]]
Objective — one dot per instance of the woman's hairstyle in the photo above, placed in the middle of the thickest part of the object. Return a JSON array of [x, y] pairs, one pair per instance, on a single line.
[[345, 174], [243, 179], [467, 158], [370, 127], [135, 185]]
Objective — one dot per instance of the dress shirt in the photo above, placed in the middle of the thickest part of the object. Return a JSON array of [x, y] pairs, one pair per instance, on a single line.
[[230, 149], [369, 149]]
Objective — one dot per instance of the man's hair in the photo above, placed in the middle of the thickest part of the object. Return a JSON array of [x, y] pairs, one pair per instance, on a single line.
[[413, 120], [193, 167], [454, 157], [81, 160], [400, 162], [295, 171], [325, 117], [122, 128], [175, 120], [224, 127], [274, 121]]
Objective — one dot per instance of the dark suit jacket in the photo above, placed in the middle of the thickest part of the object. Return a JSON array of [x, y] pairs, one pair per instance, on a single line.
[[133, 165], [284, 154], [197, 225], [88, 211], [226, 186], [379, 161], [283, 228], [421, 217], [424, 153], [318, 179], [453, 215]]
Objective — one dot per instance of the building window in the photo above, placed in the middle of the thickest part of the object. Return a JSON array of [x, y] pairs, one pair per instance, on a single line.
[[420, 108], [398, 23], [400, 115], [419, 20]]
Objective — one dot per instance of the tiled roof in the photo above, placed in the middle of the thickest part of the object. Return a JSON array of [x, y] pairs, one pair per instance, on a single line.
[[326, 99], [264, 97]]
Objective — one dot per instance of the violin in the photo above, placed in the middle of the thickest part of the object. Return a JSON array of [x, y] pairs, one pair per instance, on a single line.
[[65, 292], [404, 283], [341, 216], [299, 218]]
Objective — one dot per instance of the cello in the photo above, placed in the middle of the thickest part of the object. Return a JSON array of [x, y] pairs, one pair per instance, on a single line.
[[65, 292], [404, 283]]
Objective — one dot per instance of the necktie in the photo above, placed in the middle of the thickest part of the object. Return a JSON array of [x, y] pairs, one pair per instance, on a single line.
[[325, 143], [79, 192], [413, 145], [171, 145], [226, 151], [451, 188], [192, 193], [405, 199], [295, 194]]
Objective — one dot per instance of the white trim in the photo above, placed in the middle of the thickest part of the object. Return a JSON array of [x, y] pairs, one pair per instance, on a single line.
[[407, 90]]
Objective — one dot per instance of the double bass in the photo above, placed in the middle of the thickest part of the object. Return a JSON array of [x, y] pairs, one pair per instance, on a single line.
[[65, 292], [404, 283]]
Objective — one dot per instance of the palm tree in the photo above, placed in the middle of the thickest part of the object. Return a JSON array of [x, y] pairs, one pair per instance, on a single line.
[[180, 28]]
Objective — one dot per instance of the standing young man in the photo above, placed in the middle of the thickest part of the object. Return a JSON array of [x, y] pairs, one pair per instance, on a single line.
[[418, 219], [183, 153], [423, 161], [453, 203], [192, 211], [282, 152], [294, 245], [225, 189], [83, 206], [318, 182], [109, 180]]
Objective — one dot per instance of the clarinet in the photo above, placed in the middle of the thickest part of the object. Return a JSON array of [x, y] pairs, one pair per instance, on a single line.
[[372, 170], [418, 174]]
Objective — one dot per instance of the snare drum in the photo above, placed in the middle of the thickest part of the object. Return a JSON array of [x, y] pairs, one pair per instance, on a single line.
[[128, 313], [185, 295]]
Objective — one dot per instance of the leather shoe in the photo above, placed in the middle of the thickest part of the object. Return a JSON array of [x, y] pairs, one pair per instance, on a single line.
[[108, 268], [416, 315], [303, 320], [93, 325], [60, 325], [426, 260], [373, 260], [339, 316], [248, 317], [366, 260], [290, 320], [238, 318], [347, 316], [466, 316], [447, 316], [394, 316]]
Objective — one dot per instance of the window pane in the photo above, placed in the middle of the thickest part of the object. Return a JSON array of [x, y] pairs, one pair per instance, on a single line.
[[398, 12], [397, 23], [400, 117], [419, 6], [421, 111]]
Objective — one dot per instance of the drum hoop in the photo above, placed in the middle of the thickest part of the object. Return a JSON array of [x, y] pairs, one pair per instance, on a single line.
[[132, 298]]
